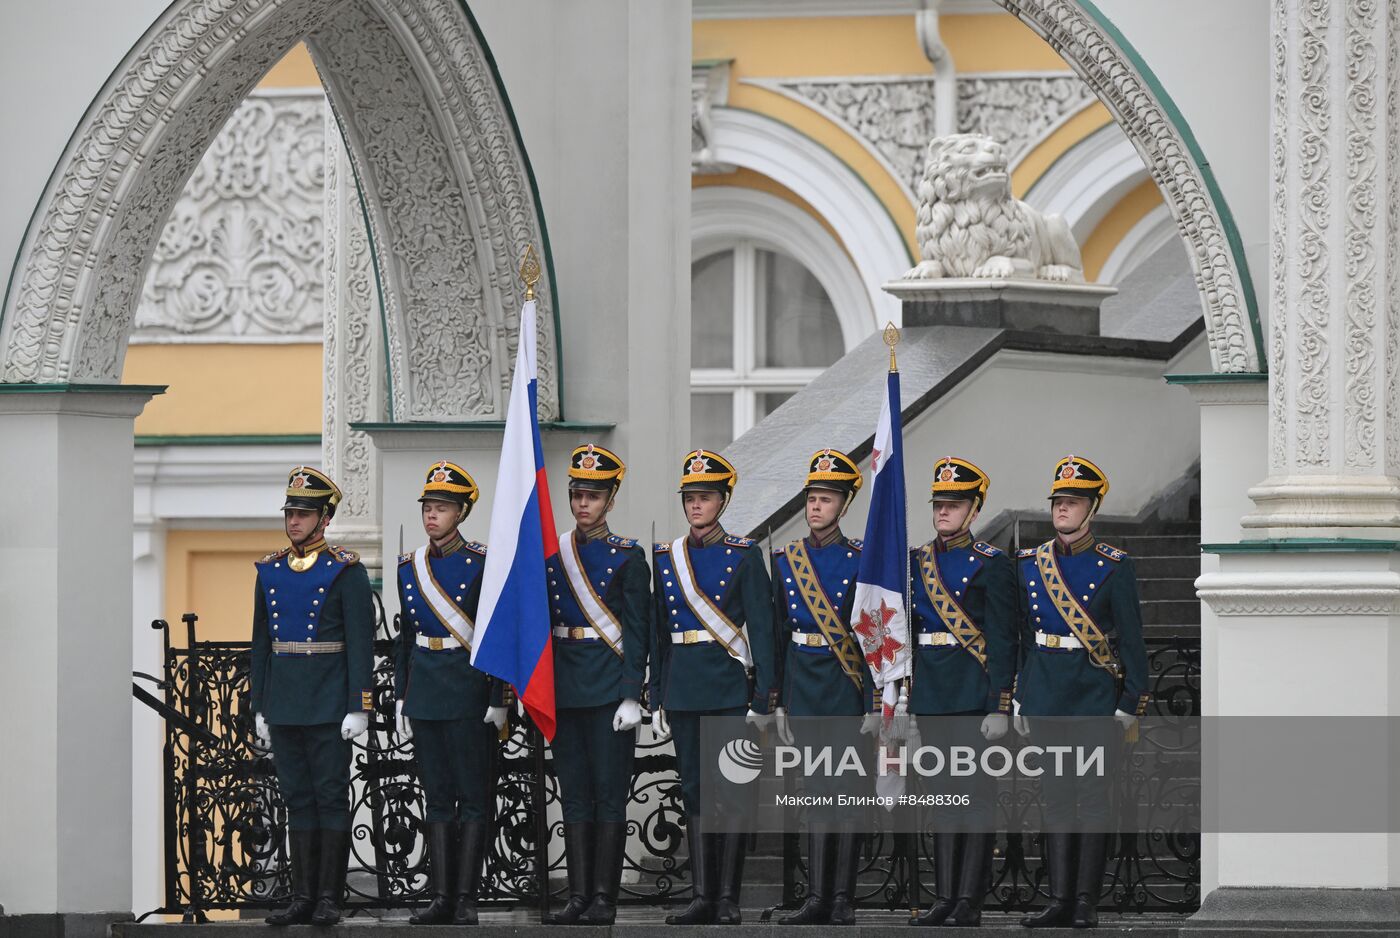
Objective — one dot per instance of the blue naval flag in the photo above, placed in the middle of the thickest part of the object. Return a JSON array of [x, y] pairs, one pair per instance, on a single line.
[[878, 615]]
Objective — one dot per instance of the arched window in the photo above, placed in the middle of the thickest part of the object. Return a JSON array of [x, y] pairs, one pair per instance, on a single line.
[[761, 327]]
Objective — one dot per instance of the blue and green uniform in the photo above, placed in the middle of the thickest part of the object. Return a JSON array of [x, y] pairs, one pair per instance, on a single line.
[[594, 761], [814, 681], [328, 611], [1060, 681], [964, 665], [444, 697], [700, 678]]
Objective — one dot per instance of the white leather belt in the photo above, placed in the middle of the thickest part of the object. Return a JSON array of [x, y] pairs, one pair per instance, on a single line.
[[937, 638], [810, 639], [691, 637], [577, 633], [308, 648], [433, 643], [1057, 641]]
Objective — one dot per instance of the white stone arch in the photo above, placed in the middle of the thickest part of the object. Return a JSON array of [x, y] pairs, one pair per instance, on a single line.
[[720, 215], [447, 184], [766, 146], [1145, 113]]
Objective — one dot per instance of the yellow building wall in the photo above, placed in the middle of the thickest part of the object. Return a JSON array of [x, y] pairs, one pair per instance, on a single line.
[[1112, 228], [222, 390], [210, 573]]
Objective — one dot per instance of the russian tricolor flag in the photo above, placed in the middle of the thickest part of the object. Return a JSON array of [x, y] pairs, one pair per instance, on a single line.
[[512, 637]]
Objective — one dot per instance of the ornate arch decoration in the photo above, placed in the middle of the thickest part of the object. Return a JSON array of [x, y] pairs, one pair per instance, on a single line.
[[1086, 40], [449, 192]]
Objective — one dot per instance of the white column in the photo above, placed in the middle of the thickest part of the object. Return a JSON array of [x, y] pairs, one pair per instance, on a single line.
[[1334, 386], [147, 727], [354, 359], [1304, 608], [65, 682]]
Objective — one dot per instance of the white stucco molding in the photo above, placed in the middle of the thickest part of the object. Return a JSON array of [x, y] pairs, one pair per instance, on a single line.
[[720, 215], [1301, 593], [865, 228], [1141, 107], [1152, 232], [448, 189], [1089, 179]]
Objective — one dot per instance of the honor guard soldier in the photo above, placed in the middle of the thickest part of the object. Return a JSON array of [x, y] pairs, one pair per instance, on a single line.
[[600, 591], [711, 589], [311, 661], [450, 710], [1084, 657], [964, 617], [825, 673]]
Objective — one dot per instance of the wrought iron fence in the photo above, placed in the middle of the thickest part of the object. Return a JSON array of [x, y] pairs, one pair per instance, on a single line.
[[225, 823]]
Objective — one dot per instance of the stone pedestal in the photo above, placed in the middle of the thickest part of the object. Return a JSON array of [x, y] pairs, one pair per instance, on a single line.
[[65, 687], [1022, 305]]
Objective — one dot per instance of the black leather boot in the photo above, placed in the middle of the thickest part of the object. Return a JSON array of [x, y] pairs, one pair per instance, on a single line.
[[945, 853], [974, 879], [304, 853], [1059, 857], [843, 893], [701, 910], [1093, 856], [816, 908], [578, 854], [734, 847], [470, 859], [439, 910], [607, 873], [330, 889]]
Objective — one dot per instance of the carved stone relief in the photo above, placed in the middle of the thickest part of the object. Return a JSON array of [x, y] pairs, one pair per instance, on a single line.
[[240, 257], [893, 115]]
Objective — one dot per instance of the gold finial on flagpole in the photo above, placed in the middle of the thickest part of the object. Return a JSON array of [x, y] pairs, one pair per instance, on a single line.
[[530, 271], [891, 339]]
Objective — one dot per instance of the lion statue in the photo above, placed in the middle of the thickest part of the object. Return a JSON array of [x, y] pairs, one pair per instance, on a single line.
[[970, 226]]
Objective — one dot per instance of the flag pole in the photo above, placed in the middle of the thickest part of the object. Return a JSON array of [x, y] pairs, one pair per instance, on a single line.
[[530, 275]]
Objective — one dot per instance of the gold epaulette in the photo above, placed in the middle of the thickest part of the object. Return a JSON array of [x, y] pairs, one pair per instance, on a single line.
[[343, 554], [734, 540], [987, 550], [405, 558], [1109, 551], [276, 555], [662, 547], [617, 540], [475, 547]]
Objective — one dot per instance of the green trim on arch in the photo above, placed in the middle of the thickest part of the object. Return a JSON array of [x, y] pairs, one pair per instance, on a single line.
[[229, 439], [1227, 219], [1305, 545], [1218, 377]]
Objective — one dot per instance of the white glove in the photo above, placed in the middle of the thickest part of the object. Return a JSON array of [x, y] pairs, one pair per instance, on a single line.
[[870, 725], [782, 726], [994, 726], [405, 729], [1022, 724], [496, 716], [1125, 720], [660, 726], [628, 715], [354, 725], [760, 720], [263, 734]]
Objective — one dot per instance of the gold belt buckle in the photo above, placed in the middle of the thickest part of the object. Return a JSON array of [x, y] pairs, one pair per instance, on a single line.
[[577, 632], [814, 639], [1052, 641], [434, 643], [691, 637]]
